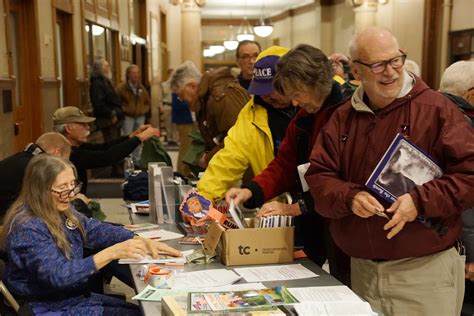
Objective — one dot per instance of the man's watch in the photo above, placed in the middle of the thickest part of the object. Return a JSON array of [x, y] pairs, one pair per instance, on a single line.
[[303, 208]]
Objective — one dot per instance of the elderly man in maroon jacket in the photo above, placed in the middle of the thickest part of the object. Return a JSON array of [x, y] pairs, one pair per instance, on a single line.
[[400, 265]]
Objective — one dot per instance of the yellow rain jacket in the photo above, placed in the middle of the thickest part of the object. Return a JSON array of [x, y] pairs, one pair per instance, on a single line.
[[248, 143]]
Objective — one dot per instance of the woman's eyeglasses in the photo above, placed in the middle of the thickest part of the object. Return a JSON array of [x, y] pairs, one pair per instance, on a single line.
[[67, 193]]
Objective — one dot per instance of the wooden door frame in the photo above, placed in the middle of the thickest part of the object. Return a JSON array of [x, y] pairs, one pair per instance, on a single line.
[[432, 37], [163, 50]]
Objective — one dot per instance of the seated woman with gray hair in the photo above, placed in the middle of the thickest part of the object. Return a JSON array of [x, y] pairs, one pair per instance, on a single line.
[[44, 238], [216, 97]]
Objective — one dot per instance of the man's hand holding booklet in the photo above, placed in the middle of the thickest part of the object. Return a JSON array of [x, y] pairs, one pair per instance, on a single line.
[[402, 167]]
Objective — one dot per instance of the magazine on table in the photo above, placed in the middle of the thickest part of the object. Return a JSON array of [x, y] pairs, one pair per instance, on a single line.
[[138, 228], [402, 167], [141, 208], [235, 301]]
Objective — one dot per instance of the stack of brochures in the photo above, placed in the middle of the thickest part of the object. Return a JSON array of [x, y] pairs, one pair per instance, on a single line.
[[329, 301], [140, 208], [138, 228]]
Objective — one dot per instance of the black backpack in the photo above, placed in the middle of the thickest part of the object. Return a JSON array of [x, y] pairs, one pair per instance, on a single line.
[[136, 187]]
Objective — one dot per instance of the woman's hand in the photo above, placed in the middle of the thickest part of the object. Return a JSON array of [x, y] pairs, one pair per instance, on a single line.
[[130, 249], [155, 247], [135, 248], [278, 208], [238, 195]]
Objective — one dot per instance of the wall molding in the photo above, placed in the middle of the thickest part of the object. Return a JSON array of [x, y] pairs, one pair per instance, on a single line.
[[7, 82], [49, 82]]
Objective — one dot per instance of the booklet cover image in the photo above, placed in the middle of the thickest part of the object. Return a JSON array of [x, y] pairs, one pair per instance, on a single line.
[[240, 300], [402, 167], [195, 208]]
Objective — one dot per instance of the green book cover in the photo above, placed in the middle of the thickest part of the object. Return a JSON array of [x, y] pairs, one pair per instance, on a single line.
[[237, 301]]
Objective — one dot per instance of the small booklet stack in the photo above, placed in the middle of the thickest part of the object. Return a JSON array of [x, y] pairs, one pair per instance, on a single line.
[[140, 208], [275, 221]]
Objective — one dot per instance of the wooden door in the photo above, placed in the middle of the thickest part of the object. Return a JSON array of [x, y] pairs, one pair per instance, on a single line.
[[65, 59], [26, 104]]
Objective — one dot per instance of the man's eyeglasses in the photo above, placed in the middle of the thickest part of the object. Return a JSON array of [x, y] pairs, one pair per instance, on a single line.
[[379, 67], [248, 57], [66, 193]]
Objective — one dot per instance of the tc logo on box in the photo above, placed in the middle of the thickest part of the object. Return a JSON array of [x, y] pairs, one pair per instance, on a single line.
[[245, 250]]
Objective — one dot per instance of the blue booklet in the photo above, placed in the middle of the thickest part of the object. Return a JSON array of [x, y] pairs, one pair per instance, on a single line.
[[402, 167]]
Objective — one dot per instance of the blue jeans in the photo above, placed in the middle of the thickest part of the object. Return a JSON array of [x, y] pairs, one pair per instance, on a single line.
[[132, 123], [129, 125]]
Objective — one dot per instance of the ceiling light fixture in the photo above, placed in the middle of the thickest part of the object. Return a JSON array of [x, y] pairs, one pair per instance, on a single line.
[[262, 29], [231, 43], [217, 49], [208, 53], [245, 32]]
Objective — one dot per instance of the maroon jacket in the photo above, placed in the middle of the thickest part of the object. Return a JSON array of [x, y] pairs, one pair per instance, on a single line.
[[349, 148], [281, 175]]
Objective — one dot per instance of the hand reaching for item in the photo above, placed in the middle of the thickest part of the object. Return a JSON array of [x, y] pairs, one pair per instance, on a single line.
[[135, 248], [238, 195], [139, 130], [148, 133], [278, 208]]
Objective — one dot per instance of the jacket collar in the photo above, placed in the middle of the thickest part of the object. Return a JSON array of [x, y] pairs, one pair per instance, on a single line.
[[412, 86], [209, 80], [34, 149]]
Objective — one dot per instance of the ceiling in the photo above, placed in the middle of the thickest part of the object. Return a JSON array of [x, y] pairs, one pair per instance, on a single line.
[[222, 9]]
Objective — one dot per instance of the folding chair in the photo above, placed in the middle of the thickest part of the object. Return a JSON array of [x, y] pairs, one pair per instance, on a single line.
[[9, 297]]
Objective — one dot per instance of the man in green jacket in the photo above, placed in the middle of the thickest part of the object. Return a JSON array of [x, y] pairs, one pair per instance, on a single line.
[[256, 136]]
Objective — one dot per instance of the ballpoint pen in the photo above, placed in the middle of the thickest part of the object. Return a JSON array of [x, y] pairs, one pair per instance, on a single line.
[[383, 214]]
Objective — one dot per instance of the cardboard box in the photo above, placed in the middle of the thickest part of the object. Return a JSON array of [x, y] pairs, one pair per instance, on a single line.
[[256, 245]]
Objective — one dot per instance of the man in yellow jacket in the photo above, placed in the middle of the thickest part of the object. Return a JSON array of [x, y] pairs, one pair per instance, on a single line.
[[254, 139]]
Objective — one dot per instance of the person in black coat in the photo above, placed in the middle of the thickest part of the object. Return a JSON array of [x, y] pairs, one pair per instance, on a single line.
[[105, 101], [12, 169], [74, 124]]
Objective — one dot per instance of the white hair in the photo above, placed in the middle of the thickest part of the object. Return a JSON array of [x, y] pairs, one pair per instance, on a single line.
[[412, 67], [458, 78], [185, 73], [61, 128]]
